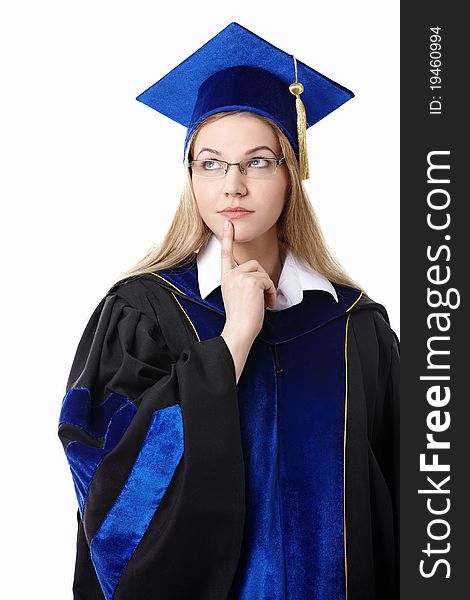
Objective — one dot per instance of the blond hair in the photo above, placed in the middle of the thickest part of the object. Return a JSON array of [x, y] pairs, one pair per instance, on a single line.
[[297, 227]]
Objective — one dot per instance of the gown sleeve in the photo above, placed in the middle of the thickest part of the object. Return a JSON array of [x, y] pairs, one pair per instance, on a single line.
[[154, 448], [385, 437], [374, 457]]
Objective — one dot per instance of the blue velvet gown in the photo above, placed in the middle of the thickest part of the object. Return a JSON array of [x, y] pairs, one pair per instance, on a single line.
[[282, 487]]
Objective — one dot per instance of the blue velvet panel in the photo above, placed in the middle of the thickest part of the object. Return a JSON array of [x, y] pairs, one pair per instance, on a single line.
[[247, 88], [311, 404], [126, 522], [106, 421], [78, 410], [261, 569]]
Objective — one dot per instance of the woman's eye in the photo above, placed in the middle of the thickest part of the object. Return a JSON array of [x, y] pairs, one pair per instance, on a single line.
[[258, 163], [210, 165]]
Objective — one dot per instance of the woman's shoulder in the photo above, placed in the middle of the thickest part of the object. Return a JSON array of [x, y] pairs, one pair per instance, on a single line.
[[155, 282], [141, 292], [366, 303], [131, 287], [370, 320], [151, 293], [359, 302]]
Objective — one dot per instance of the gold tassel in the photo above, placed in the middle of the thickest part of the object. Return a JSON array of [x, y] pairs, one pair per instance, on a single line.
[[296, 89]]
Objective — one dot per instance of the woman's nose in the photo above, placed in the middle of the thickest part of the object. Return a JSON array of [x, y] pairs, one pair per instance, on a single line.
[[234, 181]]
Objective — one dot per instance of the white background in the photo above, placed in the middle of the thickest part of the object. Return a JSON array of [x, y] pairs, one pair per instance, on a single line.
[[84, 195]]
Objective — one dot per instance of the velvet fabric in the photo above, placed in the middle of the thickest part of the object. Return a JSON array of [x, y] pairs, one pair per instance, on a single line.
[[77, 409], [247, 88]]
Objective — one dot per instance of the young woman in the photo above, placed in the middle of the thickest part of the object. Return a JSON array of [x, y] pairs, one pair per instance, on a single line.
[[231, 415]]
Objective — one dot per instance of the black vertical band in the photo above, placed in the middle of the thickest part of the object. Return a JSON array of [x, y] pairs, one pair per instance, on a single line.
[[435, 238]]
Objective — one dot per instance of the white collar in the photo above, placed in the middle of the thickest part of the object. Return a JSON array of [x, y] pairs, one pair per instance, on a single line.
[[296, 275]]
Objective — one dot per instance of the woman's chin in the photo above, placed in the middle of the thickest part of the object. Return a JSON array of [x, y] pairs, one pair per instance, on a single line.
[[243, 232], [240, 233]]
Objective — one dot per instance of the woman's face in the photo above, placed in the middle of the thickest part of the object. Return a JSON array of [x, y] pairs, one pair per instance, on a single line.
[[233, 138]]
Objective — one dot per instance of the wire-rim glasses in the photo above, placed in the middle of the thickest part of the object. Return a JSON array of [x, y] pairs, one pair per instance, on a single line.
[[258, 167]]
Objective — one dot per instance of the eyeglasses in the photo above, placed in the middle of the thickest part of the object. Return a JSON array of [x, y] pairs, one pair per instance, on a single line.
[[254, 168]]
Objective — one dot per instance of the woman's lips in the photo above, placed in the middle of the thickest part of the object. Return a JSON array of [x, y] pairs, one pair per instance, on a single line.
[[236, 214]]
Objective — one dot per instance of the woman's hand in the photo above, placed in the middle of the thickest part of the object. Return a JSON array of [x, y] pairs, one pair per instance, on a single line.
[[245, 289]]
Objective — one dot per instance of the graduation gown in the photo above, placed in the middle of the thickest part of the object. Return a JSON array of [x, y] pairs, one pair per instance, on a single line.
[[191, 486]]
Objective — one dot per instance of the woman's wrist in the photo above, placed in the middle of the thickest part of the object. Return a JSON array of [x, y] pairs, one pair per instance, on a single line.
[[239, 345]]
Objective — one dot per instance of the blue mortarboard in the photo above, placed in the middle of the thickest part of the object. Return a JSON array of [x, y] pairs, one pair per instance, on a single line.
[[238, 70]]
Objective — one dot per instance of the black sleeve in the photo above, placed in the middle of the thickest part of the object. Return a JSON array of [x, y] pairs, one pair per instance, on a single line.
[[373, 457], [385, 438], [385, 460], [155, 453]]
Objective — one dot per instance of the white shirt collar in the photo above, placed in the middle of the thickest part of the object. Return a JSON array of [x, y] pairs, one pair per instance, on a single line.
[[296, 275]]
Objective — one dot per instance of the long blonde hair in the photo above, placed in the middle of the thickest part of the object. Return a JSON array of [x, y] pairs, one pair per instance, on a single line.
[[297, 227]]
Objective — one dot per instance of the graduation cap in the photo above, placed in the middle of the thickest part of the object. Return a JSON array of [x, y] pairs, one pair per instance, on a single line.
[[238, 70]]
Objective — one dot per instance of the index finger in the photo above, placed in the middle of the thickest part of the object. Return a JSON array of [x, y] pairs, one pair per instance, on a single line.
[[228, 262]]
